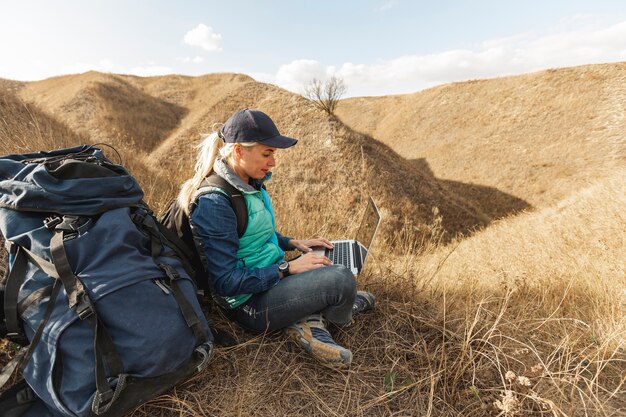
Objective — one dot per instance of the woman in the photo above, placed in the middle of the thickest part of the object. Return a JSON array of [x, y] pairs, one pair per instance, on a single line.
[[248, 275]]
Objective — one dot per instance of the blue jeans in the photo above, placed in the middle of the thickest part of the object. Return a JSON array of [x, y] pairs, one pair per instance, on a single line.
[[329, 290]]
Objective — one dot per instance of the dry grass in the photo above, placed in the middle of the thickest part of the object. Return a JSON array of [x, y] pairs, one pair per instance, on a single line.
[[331, 157], [109, 107], [328, 160], [542, 295], [536, 136], [523, 317]]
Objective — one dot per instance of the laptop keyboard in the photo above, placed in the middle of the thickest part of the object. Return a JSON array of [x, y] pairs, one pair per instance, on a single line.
[[340, 254]]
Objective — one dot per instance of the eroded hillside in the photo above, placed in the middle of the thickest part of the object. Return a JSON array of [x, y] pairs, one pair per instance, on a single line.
[[107, 107], [333, 169], [538, 137], [458, 155]]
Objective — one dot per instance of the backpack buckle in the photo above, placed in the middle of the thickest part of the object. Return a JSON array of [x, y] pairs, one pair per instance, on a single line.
[[105, 397], [52, 221], [67, 222], [84, 309]]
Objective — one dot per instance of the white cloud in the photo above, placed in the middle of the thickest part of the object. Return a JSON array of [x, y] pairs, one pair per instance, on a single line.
[[577, 43], [205, 37], [298, 73]]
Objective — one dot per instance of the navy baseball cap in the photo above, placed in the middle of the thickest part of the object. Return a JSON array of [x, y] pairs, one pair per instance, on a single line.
[[254, 126]]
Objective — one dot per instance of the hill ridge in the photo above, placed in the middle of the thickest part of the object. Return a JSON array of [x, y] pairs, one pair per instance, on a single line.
[[526, 135], [477, 192]]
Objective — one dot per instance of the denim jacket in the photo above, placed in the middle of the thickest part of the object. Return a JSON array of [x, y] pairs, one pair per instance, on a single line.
[[215, 226]]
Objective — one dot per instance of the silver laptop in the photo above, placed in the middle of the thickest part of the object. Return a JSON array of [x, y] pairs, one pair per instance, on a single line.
[[352, 253]]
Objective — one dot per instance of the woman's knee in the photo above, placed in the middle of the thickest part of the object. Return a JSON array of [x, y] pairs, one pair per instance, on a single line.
[[341, 279]]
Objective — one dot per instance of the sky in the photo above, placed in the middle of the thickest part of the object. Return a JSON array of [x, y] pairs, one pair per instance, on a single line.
[[378, 47]]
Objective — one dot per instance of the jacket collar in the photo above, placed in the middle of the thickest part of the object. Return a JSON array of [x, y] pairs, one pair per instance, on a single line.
[[222, 169]]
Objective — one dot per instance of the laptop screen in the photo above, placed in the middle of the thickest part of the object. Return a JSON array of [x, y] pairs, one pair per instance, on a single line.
[[369, 224]]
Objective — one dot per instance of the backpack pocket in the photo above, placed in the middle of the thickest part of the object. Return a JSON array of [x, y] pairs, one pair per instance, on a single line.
[[62, 368]]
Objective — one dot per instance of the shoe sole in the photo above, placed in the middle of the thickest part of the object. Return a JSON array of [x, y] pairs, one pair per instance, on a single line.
[[322, 352]]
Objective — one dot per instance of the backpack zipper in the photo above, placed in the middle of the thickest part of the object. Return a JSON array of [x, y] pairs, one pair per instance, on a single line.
[[163, 286]]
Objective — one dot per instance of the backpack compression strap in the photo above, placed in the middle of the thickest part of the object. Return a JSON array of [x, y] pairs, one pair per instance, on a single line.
[[107, 359], [104, 350]]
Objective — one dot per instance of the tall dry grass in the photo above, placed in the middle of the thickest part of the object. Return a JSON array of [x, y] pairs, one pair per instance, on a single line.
[[526, 318], [523, 318], [535, 306]]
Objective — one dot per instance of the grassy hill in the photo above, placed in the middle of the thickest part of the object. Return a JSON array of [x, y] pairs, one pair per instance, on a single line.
[[171, 113], [499, 273], [107, 106], [537, 136]]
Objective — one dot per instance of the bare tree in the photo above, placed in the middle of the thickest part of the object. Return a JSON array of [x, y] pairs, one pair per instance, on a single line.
[[325, 95]]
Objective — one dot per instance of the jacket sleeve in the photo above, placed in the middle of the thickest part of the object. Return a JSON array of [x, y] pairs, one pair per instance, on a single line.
[[214, 225], [283, 242]]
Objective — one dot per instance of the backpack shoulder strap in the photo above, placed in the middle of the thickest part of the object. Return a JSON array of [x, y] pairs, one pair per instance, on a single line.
[[11, 284], [236, 198]]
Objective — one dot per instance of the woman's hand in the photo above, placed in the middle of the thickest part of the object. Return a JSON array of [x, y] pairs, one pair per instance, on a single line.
[[308, 262], [307, 245]]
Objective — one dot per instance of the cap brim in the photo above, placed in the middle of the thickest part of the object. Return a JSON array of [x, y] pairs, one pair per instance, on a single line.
[[279, 142]]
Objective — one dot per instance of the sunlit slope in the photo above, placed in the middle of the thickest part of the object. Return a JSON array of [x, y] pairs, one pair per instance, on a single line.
[[125, 110], [25, 128], [200, 97], [538, 136], [108, 107], [571, 250], [28, 126], [331, 170]]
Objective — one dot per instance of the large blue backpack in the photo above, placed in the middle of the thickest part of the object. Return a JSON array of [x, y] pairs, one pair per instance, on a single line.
[[94, 287]]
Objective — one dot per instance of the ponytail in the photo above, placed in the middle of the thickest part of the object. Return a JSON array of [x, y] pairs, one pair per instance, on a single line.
[[209, 150], [207, 153]]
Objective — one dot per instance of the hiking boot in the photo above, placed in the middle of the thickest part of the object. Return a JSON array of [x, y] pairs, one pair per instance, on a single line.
[[363, 302], [312, 335]]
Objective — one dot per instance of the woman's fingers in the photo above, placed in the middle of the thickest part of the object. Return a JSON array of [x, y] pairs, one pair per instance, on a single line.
[[302, 247], [309, 261], [306, 245], [323, 260], [327, 243], [320, 242], [317, 259]]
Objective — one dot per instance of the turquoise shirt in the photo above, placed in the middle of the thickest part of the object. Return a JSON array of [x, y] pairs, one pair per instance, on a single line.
[[248, 262]]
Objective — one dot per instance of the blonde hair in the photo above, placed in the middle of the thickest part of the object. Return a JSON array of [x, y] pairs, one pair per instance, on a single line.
[[211, 147]]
